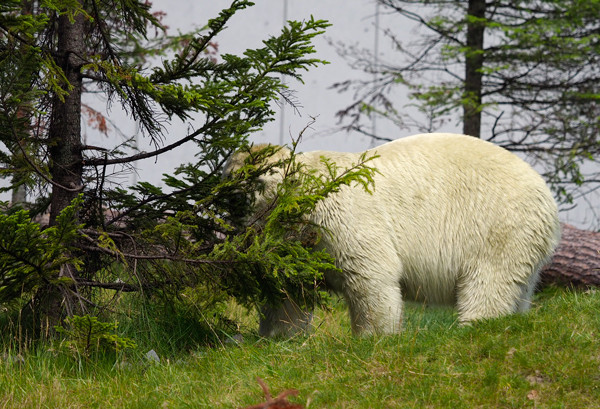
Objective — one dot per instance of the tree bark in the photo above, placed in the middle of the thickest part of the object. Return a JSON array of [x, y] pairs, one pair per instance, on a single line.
[[576, 261], [473, 68], [66, 161]]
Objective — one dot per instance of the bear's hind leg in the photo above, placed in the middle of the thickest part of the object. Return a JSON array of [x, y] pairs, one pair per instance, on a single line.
[[490, 293]]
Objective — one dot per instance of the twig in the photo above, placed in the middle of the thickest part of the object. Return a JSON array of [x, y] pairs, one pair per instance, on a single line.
[[146, 155], [124, 287], [155, 256]]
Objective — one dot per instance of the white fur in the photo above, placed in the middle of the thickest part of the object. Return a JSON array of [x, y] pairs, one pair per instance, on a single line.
[[452, 220]]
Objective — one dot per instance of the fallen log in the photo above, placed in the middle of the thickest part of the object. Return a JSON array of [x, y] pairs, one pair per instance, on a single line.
[[576, 261]]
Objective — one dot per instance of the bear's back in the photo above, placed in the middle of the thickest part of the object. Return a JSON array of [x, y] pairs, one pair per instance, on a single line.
[[458, 167], [446, 153]]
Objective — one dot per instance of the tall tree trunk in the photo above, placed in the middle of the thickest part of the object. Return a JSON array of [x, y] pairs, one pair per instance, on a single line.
[[473, 67], [66, 164], [65, 127]]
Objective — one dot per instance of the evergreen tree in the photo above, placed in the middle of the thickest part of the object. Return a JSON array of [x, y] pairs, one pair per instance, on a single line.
[[162, 242]]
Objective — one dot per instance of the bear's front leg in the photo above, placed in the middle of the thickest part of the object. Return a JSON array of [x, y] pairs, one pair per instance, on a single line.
[[375, 306], [283, 320]]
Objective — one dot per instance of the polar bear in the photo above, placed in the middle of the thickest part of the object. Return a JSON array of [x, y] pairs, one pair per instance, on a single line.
[[452, 219]]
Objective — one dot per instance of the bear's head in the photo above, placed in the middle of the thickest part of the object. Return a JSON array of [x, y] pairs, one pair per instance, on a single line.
[[264, 163]]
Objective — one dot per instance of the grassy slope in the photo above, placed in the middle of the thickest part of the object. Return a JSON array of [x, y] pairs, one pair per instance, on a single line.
[[549, 358]]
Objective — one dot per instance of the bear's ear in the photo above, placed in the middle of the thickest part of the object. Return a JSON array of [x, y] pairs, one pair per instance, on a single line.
[[265, 153], [260, 152], [259, 155]]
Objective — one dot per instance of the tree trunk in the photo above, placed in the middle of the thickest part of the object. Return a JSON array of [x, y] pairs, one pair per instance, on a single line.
[[576, 261], [473, 68], [66, 164]]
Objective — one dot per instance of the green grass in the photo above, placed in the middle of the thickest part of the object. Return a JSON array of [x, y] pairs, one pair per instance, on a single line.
[[548, 358]]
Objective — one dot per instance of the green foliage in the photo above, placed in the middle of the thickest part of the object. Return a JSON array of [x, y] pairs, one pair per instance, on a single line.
[[86, 335], [31, 257], [166, 243]]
